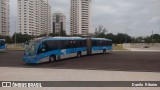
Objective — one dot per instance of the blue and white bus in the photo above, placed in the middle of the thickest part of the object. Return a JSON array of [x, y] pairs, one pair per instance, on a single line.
[[51, 49], [2, 45]]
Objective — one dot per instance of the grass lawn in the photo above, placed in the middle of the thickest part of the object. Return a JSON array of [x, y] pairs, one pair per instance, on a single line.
[[118, 47]]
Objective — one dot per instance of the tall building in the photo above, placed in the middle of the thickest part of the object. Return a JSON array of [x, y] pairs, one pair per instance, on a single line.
[[59, 23], [34, 17], [80, 17], [4, 17]]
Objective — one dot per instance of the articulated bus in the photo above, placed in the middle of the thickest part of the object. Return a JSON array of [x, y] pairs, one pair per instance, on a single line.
[[2, 45], [56, 48]]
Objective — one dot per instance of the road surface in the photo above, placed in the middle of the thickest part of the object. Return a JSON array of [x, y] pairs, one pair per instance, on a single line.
[[117, 61]]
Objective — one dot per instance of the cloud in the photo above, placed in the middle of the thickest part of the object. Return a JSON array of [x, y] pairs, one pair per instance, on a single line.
[[139, 16], [154, 19]]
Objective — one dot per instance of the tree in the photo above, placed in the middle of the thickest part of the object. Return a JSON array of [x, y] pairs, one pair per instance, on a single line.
[[122, 38], [111, 36], [52, 34], [62, 33], [152, 39], [2, 37], [100, 32], [42, 35], [156, 38], [22, 38], [7, 38]]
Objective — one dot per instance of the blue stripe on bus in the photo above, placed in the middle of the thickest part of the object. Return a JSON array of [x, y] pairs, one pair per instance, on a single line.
[[95, 48], [2, 47]]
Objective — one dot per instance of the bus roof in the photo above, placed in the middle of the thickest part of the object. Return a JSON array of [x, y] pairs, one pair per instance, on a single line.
[[101, 39], [66, 38], [57, 38]]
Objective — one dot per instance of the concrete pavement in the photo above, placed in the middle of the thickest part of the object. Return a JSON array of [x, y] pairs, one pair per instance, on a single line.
[[32, 74]]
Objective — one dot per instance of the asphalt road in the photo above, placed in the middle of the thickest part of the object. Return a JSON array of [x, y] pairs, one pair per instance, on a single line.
[[117, 61]]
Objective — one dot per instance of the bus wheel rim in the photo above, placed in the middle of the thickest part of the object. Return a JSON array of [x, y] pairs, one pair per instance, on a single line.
[[52, 58]]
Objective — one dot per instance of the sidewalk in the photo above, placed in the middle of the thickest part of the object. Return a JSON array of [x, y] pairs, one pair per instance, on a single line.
[[35, 74]]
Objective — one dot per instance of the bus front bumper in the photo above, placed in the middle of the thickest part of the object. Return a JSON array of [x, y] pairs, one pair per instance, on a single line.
[[30, 60]]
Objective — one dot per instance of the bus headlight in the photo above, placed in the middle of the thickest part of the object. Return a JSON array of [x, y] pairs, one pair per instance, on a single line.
[[33, 57]]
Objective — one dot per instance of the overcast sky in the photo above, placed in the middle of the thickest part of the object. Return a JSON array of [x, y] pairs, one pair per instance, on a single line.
[[134, 17]]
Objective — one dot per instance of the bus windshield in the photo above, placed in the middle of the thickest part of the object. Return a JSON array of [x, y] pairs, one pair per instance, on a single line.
[[31, 49]]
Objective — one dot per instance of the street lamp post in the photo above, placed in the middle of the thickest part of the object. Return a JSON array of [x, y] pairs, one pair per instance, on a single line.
[[152, 37], [126, 35], [15, 39]]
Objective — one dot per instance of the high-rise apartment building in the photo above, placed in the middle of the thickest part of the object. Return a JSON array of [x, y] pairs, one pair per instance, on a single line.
[[4, 17], [59, 23], [34, 17], [80, 17]]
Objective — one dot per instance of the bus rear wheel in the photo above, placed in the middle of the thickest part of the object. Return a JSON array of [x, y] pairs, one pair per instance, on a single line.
[[79, 54], [52, 58], [104, 52]]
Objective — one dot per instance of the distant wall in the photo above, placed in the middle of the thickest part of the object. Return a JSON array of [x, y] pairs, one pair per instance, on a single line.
[[141, 45], [15, 46]]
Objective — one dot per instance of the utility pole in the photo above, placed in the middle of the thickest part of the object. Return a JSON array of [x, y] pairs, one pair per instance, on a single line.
[[126, 35], [152, 37], [15, 39]]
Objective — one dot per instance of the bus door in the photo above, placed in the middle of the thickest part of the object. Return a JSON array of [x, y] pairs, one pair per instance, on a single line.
[[72, 46]]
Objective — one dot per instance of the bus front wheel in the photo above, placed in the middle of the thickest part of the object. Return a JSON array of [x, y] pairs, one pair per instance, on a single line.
[[52, 58]]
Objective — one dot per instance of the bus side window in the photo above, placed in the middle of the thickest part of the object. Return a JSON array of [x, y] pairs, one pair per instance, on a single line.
[[99, 43], [104, 43], [82, 43], [94, 43], [74, 44], [78, 44], [41, 49], [107, 43], [66, 44], [51, 45], [110, 43], [59, 44]]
